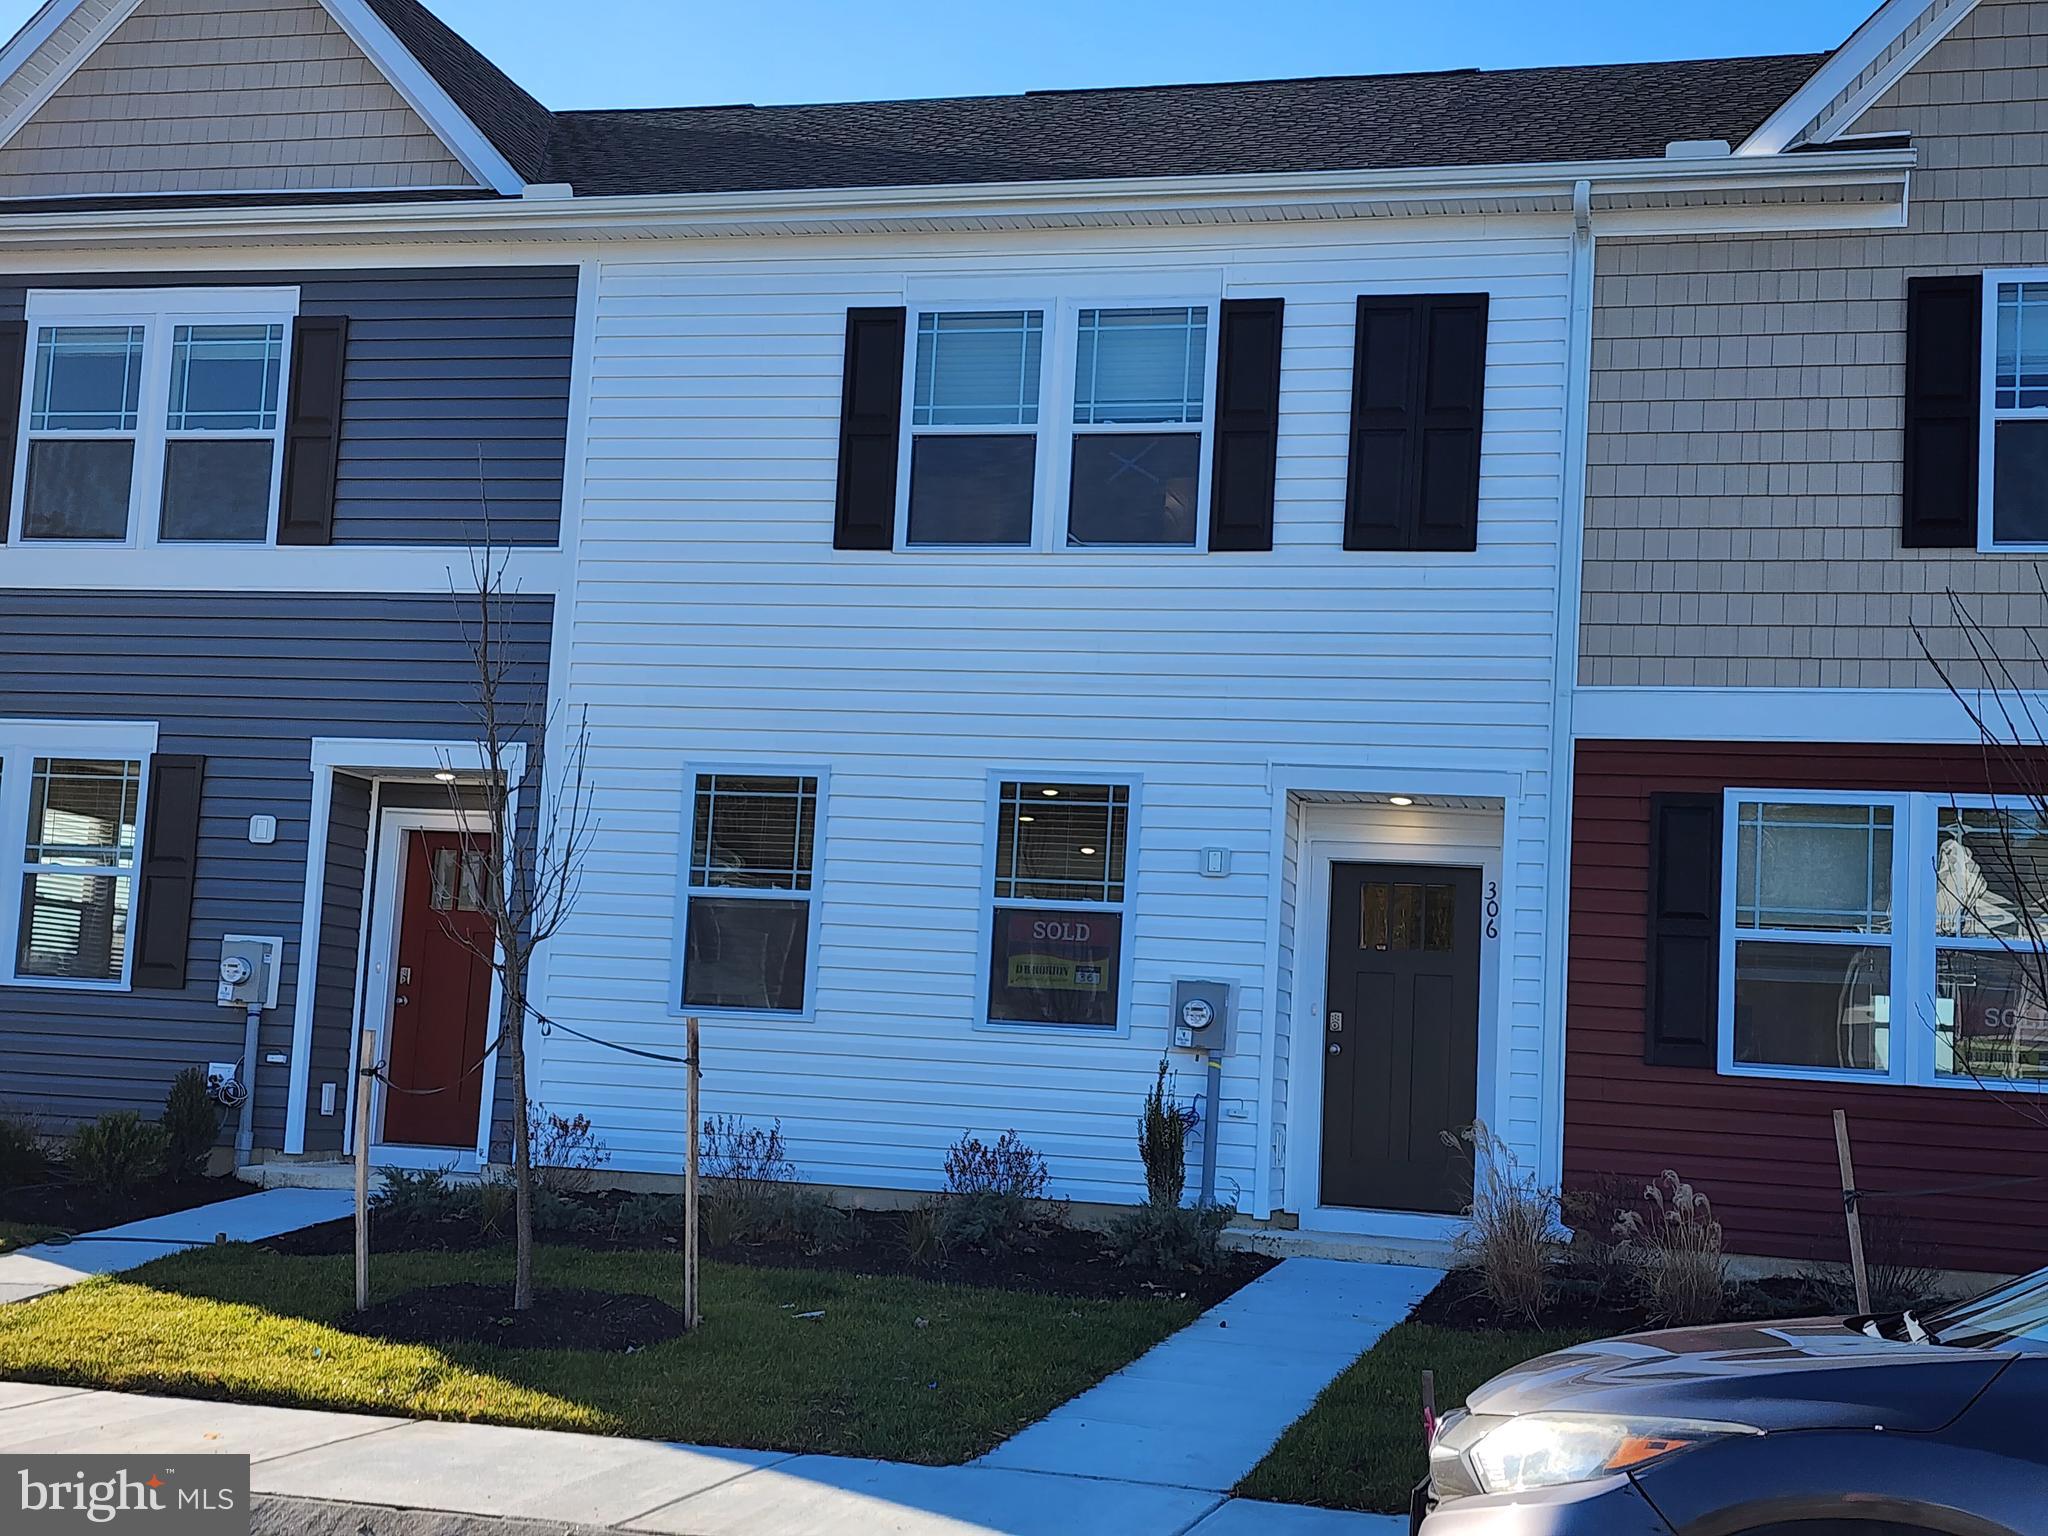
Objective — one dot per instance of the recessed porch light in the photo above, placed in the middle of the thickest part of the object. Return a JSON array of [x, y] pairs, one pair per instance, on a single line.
[[1399, 800], [444, 777]]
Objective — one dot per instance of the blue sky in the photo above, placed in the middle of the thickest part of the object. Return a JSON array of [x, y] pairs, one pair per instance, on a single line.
[[606, 53]]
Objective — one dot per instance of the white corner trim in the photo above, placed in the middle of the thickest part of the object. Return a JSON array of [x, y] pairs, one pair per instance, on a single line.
[[41, 27], [1901, 716], [1812, 105], [423, 93]]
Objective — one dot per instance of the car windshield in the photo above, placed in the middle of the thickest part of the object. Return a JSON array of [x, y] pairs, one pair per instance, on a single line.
[[2014, 1313]]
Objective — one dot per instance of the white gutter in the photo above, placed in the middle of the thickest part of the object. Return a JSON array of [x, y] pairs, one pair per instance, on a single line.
[[747, 211]]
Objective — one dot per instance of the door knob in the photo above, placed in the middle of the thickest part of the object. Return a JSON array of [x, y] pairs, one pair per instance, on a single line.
[[1336, 1049], [402, 1001]]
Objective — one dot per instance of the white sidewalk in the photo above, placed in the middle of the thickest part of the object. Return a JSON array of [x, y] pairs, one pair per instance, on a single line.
[[246, 1219], [633, 1485], [1202, 1409]]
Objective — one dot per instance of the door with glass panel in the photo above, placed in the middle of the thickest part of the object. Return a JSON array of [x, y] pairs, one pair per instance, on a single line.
[[1400, 1036]]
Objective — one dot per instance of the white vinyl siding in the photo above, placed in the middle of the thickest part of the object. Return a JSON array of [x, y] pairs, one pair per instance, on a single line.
[[710, 607]]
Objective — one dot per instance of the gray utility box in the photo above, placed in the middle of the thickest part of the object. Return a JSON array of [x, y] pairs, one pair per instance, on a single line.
[[1201, 1015]]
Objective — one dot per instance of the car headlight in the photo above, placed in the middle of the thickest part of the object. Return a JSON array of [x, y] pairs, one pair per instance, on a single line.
[[1484, 1453]]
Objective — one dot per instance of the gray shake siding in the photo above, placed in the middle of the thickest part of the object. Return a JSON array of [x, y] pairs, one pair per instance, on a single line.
[[448, 369], [246, 680]]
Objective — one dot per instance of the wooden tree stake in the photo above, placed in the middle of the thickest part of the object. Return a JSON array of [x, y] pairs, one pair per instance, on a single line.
[[364, 1068], [1857, 1269], [693, 1075]]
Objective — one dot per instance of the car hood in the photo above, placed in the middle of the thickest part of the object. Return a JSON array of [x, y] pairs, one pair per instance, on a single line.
[[1809, 1373]]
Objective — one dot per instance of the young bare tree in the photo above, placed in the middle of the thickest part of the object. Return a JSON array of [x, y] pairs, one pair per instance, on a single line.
[[1991, 870], [525, 878]]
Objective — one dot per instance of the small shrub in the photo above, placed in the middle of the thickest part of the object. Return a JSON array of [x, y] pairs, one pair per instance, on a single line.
[[1171, 1237], [1592, 1210], [648, 1216], [564, 1151], [417, 1197], [994, 1202], [1510, 1235], [923, 1240], [1163, 1129], [812, 1223], [560, 1216], [494, 1205], [191, 1125], [744, 1176], [1673, 1250], [21, 1154], [1902, 1272], [115, 1154]]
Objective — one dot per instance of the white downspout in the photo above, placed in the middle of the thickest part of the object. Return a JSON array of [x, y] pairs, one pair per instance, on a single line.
[[1564, 679]]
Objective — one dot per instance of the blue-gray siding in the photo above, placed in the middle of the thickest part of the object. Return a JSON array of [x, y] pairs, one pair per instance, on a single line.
[[448, 370], [247, 681], [342, 901]]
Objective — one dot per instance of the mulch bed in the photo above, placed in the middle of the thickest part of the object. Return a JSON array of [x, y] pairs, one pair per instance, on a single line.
[[73, 1207], [471, 1313], [1458, 1302], [1069, 1261]]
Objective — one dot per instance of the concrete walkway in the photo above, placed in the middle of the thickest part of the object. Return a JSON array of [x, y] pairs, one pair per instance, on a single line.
[[1202, 1409], [630, 1485], [249, 1218]]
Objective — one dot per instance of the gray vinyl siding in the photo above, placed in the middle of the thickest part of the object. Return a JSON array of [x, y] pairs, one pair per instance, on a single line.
[[341, 927], [446, 368], [247, 681]]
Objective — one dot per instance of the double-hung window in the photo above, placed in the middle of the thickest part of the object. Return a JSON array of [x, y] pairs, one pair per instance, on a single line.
[[71, 808], [750, 893], [1058, 903], [1890, 938], [1058, 425], [153, 416], [1813, 934]]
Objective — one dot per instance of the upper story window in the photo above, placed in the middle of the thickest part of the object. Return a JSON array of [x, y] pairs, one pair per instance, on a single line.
[[1058, 426], [153, 416]]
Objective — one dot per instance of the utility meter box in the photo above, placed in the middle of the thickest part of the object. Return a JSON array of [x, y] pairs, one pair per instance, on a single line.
[[248, 971], [1201, 1015]]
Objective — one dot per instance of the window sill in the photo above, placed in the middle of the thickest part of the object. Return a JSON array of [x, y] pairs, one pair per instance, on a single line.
[[59, 984], [1053, 1031], [807, 1015]]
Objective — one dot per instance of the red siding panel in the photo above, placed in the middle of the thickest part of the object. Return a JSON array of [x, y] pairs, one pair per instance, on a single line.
[[1764, 1151]]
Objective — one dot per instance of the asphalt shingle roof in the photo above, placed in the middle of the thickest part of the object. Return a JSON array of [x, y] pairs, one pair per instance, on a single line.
[[1348, 122]]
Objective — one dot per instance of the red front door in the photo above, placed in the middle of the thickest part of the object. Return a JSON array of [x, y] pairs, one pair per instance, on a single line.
[[440, 1011]]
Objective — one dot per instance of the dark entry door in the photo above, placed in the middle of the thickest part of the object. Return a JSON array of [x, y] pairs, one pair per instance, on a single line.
[[441, 1004], [1400, 1035]]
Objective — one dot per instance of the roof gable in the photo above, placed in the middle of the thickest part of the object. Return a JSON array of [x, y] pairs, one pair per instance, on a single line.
[[1893, 39], [118, 98]]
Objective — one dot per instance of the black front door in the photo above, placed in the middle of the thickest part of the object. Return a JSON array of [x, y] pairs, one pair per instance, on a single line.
[[1400, 1036]]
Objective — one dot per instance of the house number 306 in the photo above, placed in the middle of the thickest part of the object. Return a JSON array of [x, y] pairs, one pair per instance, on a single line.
[[1493, 909]]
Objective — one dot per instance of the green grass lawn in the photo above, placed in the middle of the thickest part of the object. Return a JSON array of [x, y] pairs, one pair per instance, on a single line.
[[1360, 1447], [20, 1234], [897, 1368]]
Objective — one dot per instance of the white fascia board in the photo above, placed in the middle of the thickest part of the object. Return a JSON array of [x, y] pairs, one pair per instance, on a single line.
[[1865, 46], [846, 210], [1918, 716], [39, 30], [1833, 123], [423, 93]]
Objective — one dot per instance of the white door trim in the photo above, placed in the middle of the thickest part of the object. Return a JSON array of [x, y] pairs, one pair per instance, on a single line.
[[1305, 1058], [376, 987]]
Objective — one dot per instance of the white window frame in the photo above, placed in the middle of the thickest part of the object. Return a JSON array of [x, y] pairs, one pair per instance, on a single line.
[[21, 743], [159, 312], [1988, 414], [685, 889], [1913, 941], [1061, 302], [1126, 909]]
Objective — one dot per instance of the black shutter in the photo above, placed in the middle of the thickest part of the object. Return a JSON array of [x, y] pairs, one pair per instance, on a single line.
[[1247, 425], [1944, 355], [312, 431], [170, 851], [13, 357], [1683, 993], [1418, 384], [870, 419]]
